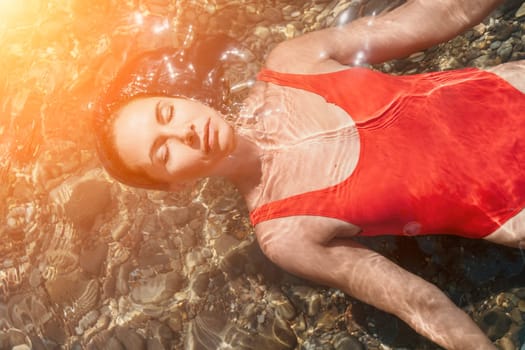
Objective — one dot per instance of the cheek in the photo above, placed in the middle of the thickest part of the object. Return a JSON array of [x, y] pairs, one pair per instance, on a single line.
[[183, 159]]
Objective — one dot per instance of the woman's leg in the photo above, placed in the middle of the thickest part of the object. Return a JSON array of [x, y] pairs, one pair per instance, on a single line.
[[513, 72], [511, 233]]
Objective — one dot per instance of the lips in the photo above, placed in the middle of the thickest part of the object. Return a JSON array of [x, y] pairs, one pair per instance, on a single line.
[[206, 137]]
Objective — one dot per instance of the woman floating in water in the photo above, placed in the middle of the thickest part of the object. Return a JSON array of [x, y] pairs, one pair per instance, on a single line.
[[323, 152]]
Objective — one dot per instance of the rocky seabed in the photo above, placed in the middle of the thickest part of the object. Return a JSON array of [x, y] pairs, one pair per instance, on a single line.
[[86, 263]]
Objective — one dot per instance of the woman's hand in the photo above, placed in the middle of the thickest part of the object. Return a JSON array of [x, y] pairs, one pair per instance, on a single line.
[[411, 27], [369, 277]]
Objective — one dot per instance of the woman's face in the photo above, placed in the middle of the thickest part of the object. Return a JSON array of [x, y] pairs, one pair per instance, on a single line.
[[172, 139]]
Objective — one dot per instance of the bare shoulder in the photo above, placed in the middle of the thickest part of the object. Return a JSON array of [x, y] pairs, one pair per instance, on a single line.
[[316, 229], [285, 240], [306, 54]]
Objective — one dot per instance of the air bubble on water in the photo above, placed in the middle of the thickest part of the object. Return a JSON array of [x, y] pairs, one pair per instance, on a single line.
[[161, 27], [343, 19], [139, 18], [359, 58], [412, 228]]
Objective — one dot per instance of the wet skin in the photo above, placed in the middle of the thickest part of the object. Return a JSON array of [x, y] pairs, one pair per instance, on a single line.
[[172, 139]]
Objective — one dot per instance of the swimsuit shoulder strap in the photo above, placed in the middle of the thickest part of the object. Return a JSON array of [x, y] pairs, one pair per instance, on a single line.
[[363, 93]]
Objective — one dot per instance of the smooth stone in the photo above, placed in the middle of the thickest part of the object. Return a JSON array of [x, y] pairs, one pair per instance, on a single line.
[[521, 11], [196, 225], [225, 243], [92, 260], [38, 344], [150, 225], [481, 61], [88, 199], [204, 331], [16, 337], [130, 340], [506, 344], [233, 263], [201, 283], [316, 344], [88, 320], [496, 44], [173, 216], [480, 29], [344, 341], [238, 338], [327, 319], [193, 259], [187, 238], [35, 278], [160, 331], [284, 334], [314, 304], [113, 344], [121, 230], [300, 323], [450, 63], [21, 347], [224, 205], [121, 283], [158, 288], [521, 305], [505, 51], [101, 341], [417, 57], [519, 293], [284, 309], [504, 31], [151, 253], [175, 323], [55, 331], [154, 344], [272, 14], [495, 324], [515, 314]]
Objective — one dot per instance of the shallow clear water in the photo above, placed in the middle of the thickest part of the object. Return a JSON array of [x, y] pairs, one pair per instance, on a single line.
[[86, 262]]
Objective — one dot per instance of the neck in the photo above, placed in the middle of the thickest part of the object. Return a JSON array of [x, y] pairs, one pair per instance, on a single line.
[[243, 166]]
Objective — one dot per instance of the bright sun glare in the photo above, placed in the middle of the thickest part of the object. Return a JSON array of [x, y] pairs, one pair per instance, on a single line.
[[13, 10], [9, 8]]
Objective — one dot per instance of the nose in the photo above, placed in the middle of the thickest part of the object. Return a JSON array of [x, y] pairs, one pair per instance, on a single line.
[[189, 135], [183, 133]]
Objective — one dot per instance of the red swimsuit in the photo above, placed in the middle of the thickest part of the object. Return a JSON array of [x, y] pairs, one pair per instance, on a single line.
[[441, 153]]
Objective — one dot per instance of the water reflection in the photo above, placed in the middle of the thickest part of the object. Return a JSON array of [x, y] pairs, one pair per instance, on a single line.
[[88, 263]]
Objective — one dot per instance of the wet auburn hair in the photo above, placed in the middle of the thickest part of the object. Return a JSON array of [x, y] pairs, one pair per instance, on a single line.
[[195, 73]]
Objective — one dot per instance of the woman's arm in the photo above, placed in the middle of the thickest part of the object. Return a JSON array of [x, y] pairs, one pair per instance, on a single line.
[[372, 278], [413, 26]]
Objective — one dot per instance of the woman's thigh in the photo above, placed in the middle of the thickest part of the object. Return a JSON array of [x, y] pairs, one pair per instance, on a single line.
[[513, 72], [511, 233]]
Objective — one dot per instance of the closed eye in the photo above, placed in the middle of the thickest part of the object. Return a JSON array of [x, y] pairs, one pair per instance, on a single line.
[[162, 154], [171, 113], [159, 151], [164, 112], [165, 154], [158, 112]]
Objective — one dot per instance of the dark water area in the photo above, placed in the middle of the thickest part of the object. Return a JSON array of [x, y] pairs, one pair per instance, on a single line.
[[87, 263]]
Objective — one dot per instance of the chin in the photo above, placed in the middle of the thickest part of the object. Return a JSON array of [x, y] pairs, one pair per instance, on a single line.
[[227, 141]]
